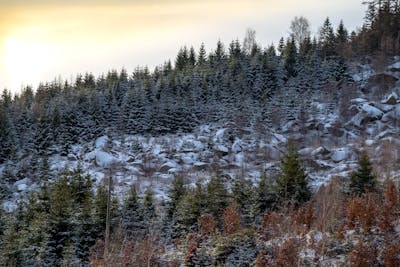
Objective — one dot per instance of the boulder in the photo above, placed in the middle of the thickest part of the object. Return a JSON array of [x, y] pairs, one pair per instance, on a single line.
[[237, 146], [391, 99], [340, 154], [305, 151], [368, 113], [394, 67], [167, 166], [320, 151]]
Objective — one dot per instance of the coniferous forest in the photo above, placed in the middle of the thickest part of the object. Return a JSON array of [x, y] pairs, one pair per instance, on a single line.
[[280, 218]]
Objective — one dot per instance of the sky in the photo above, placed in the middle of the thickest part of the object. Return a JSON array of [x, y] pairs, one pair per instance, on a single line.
[[41, 40]]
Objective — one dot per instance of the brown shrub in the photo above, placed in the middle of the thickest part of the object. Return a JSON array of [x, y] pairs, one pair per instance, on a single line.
[[207, 224], [363, 255], [231, 218], [288, 254], [329, 206], [305, 216], [391, 255], [275, 224], [147, 251], [190, 254], [390, 207], [261, 260], [362, 212], [97, 254]]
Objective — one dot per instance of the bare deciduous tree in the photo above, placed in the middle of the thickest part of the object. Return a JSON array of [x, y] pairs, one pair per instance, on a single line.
[[249, 40], [300, 29]]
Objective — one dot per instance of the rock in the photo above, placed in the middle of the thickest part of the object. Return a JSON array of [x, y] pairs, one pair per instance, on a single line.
[[335, 131], [222, 149], [340, 155], [22, 184], [200, 166], [394, 67], [372, 111], [368, 113], [167, 166], [237, 146], [105, 159], [358, 101], [71, 157], [391, 99], [101, 142], [320, 151], [305, 151], [369, 142]]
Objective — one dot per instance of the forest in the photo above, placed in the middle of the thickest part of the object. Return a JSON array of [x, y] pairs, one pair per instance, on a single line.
[[280, 220]]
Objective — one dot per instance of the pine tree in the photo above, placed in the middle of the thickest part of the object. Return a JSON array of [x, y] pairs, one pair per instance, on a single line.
[[292, 182], [242, 193], [217, 196], [191, 206], [132, 216], [60, 221], [265, 199], [363, 180], [202, 57], [175, 195], [290, 55], [327, 39], [149, 209]]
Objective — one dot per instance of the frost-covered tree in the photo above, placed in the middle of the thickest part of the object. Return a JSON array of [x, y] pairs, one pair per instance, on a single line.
[[363, 179], [292, 182]]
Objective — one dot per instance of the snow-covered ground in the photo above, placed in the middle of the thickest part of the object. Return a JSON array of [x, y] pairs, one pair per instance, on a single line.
[[329, 148]]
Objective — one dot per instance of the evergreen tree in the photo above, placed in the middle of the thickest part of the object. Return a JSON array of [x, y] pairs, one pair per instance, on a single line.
[[149, 209], [175, 195], [132, 216], [363, 180], [191, 206], [60, 221], [265, 199], [327, 39], [217, 196], [289, 55], [292, 182], [242, 193]]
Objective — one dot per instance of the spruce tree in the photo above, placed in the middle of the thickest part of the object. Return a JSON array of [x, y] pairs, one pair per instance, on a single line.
[[265, 199], [217, 196], [363, 180], [292, 182], [242, 193], [132, 215]]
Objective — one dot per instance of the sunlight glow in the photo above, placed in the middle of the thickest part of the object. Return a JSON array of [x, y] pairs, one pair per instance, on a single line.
[[28, 59]]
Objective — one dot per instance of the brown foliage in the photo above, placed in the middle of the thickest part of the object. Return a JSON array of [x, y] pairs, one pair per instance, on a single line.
[[190, 254], [231, 218], [305, 216], [96, 255], [361, 212], [127, 255], [390, 207], [274, 225], [363, 255], [208, 225], [391, 255], [288, 254], [146, 251], [261, 260]]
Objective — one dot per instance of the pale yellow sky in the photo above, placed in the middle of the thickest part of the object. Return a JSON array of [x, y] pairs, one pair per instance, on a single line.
[[46, 39]]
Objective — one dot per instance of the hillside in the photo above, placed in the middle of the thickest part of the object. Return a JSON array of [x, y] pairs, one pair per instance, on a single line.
[[243, 156]]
